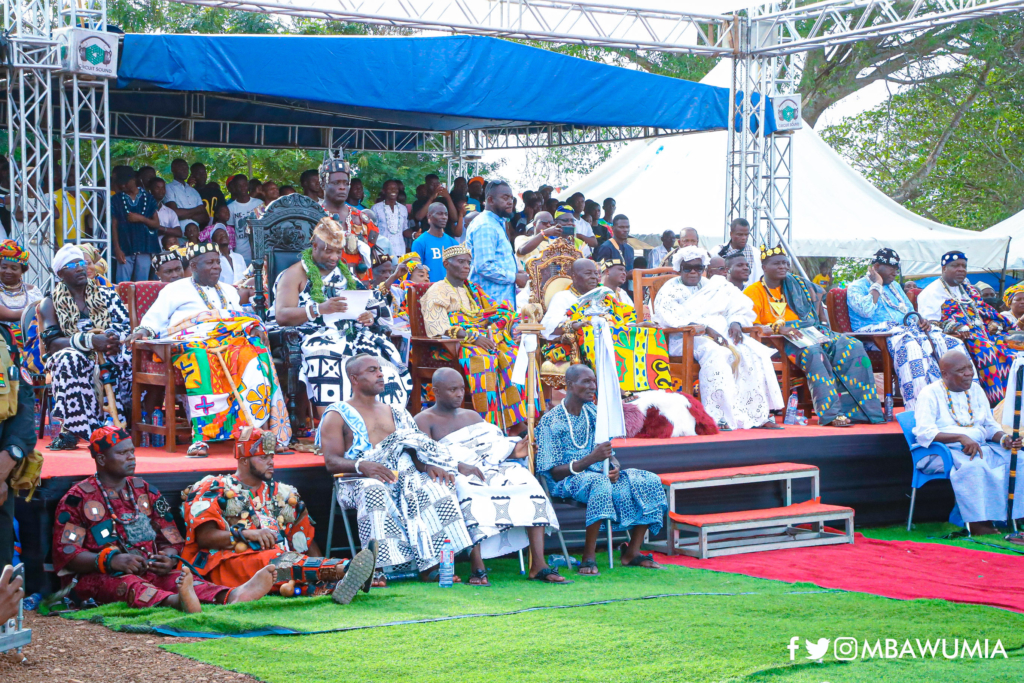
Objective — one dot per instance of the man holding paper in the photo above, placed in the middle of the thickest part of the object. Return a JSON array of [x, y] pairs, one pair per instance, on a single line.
[[339, 319], [573, 466], [837, 368]]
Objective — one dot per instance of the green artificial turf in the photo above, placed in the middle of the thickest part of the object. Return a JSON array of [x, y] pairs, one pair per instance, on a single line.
[[697, 638], [410, 600], [934, 531]]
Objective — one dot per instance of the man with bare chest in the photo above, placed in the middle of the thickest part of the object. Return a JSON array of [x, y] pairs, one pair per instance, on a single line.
[[504, 505], [407, 505]]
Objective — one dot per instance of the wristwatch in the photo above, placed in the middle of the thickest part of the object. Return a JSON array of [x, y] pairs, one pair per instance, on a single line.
[[17, 455]]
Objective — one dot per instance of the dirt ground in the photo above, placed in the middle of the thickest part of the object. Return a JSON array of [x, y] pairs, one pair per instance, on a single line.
[[69, 651]]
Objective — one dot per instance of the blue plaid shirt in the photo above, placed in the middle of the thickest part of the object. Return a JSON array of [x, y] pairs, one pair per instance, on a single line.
[[494, 262]]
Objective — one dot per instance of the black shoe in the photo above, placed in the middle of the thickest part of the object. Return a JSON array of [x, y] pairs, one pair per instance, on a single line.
[[65, 441], [358, 572]]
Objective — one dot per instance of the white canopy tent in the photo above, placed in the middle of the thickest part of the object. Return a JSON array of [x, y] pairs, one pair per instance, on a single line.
[[1012, 228], [677, 182]]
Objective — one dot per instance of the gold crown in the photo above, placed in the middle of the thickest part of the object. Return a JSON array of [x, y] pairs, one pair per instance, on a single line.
[[777, 250]]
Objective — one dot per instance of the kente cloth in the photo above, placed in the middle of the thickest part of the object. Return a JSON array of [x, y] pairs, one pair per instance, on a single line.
[[213, 405], [227, 502], [446, 310], [737, 382], [138, 520], [992, 358], [637, 498], [913, 351], [19, 300], [326, 348], [980, 484], [410, 519], [838, 370], [75, 377], [498, 509], [641, 354]]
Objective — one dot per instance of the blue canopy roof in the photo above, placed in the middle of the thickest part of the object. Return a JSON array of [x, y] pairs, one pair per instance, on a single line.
[[390, 83]]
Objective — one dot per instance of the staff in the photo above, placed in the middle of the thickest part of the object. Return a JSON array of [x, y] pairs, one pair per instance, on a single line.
[[1013, 449]]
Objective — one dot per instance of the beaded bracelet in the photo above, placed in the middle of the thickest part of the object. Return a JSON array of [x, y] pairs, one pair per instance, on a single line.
[[104, 557]]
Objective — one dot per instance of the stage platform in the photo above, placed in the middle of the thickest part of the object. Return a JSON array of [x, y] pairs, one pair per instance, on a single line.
[[866, 467]]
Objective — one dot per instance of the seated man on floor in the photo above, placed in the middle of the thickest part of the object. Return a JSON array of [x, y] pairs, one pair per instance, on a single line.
[[455, 307], [238, 524], [410, 513], [957, 307], [116, 536], [224, 357], [837, 368], [877, 303], [737, 381], [315, 287], [954, 411], [504, 505], [574, 468], [641, 354], [168, 266], [83, 328]]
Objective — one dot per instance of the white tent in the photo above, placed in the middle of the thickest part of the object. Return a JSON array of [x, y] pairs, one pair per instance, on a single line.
[[677, 182], [1013, 228]]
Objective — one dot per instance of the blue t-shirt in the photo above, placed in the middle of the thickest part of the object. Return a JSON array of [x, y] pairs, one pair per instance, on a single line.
[[430, 249]]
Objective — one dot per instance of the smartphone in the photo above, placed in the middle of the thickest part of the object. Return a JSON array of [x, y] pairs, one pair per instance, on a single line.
[[568, 231]]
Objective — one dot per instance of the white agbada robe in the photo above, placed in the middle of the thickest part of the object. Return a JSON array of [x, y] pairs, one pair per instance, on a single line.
[[557, 313], [931, 298], [980, 484], [498, 510], [742, 398], [180, 300]]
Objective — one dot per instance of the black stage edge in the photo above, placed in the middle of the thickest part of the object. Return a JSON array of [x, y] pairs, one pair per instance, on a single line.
[[869, 472]]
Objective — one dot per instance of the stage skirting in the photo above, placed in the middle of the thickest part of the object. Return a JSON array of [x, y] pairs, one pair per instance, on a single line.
[[866, 467]]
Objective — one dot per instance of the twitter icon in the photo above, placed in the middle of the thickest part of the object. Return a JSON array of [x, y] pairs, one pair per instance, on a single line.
[[817, 650]]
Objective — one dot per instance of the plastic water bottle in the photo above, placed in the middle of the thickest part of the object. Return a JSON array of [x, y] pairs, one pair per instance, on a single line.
[[158, 420], [888, 407], [145, 435], [447, 573], [791, 409], [801, 419], [559, 561], [30, 603]]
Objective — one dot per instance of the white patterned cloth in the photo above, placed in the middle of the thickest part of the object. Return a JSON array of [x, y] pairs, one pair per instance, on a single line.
[[980, 483], [741, 394], [392, 221], [411, 518], [499, 509]]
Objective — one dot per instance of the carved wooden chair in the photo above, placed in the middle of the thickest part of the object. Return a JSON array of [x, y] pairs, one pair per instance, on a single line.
[[881, 360], [422, 361], [549, 273], [151, 367], [277, 238], [646, 284]]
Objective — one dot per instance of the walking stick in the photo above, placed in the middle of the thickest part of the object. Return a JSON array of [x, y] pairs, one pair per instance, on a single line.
[[217, 350], [531, 401], [1013, 450], [106, 367]]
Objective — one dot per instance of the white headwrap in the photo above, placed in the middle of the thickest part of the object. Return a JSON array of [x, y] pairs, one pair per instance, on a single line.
[[65, 255], [689, 254]]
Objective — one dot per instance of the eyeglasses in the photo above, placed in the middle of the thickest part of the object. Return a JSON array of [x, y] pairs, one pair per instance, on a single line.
[[76, 264], [693, 269]]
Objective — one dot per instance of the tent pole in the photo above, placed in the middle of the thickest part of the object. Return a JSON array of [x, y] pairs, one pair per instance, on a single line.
[[1006, 260]]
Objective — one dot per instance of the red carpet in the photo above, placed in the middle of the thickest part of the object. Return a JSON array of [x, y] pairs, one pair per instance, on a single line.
[[904, 570]]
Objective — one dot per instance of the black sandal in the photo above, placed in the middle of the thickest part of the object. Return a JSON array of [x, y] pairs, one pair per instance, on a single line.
[[639, 560], [543, 575], [479, 574], [588, 564]]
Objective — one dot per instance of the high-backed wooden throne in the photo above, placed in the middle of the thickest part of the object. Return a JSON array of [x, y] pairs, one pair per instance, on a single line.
[[550, 272]]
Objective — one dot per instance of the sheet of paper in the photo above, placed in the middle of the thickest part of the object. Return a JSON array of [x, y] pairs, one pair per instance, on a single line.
[[356, 301]]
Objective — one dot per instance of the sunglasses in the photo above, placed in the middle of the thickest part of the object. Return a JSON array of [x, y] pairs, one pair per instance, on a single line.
[[76, 264], [693, 269]]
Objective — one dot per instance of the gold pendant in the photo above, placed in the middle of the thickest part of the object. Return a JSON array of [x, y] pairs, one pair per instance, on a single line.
[[779, 309]]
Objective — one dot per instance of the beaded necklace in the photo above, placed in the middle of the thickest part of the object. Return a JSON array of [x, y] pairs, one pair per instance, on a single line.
[[777, 305], [206, 299], [568, 421], [968, 310], [126, 518], [949, 403]]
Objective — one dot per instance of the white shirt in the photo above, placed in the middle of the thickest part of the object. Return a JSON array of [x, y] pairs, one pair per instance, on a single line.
[[931, 298], [658, 255], [184, 197], [392, 222], [555, 315], [167, 217], [232, 269], [933, 416], [180, 299], [240, 210]]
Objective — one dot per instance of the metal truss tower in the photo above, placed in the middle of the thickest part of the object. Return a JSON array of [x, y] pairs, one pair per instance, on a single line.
[[32, 60]]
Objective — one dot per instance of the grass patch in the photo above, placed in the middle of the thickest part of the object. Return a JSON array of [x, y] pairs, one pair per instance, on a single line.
[[409, 601], [697, 638], [933, 532]]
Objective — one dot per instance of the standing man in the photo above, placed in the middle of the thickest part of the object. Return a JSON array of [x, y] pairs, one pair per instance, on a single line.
[[476, 193], [186, 202], [584, 230], [658, 254], [17, 440], [392, 220], [356, 192], [618, 247], [241, 206], [495, 268], [431, 244], [310, 183], [740, 243], [360, 233], [166, 216], [574, 468], [435, 192], [135, 231], [210, 193]]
